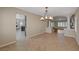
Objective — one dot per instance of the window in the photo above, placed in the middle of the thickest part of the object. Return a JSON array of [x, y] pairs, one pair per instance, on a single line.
[[62, 24]]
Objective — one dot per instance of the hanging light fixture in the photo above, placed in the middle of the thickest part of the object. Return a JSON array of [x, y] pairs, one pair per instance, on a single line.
[[46, 17]]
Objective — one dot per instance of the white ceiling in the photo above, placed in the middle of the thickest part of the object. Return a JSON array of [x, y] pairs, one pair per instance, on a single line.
[[52, 11]]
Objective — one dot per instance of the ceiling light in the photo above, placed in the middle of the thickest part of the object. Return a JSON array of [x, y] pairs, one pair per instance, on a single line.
[[46, 17]]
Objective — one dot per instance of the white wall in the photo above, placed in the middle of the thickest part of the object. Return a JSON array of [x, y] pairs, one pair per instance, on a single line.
[[77, 26], [20, 19], [8, 24], [69, 32], [34, 25]]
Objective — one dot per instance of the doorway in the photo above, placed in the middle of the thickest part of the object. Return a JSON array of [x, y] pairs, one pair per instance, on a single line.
[[20, 26]]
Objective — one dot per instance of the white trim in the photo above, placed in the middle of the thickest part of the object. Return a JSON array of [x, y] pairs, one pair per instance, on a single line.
[[30, 36], [37, 34], [7, 44]]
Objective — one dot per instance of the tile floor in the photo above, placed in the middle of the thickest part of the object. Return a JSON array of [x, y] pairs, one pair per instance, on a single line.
[[20, 34]]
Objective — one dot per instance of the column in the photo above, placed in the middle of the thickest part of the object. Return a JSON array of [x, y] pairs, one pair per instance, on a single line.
[[49, 29]]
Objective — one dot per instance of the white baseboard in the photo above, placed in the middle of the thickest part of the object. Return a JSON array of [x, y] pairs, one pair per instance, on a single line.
[[7, 44], [34, 35], [37, 34]]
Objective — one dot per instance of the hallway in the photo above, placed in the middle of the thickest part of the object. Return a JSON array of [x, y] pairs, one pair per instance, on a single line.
[[44, 42]]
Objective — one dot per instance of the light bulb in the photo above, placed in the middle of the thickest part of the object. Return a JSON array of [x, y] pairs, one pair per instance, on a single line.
[[42, 18], [50, 17], [46, 17]]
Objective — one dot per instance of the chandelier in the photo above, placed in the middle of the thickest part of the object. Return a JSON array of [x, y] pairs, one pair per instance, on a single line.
[[46, 17]]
